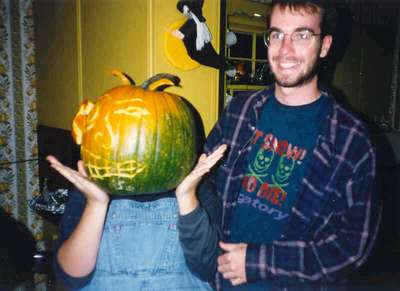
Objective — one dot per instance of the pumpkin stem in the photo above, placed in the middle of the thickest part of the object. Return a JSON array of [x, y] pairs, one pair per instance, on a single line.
[[161, 81], [126, 80]]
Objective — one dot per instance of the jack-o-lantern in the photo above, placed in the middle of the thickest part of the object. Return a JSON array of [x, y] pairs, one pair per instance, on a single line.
[[137, 139]]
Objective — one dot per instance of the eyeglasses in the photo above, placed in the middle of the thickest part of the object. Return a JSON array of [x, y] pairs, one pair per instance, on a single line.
[[299, 38]]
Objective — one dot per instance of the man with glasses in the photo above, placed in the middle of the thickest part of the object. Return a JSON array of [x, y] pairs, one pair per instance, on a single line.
[[296, 183]]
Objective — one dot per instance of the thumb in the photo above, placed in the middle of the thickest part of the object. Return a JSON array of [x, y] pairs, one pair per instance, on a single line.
[[202, 157], [226, 246], [53, 160], [81, 168]]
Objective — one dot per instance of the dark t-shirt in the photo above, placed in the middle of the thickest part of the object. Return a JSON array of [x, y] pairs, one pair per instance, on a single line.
[[276, 164]]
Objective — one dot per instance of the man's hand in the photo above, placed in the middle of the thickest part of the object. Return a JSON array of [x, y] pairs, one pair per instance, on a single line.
[[232, 264], [93, 193]]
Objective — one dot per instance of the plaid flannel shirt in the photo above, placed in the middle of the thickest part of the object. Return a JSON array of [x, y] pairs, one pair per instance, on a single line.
[[334, 222]]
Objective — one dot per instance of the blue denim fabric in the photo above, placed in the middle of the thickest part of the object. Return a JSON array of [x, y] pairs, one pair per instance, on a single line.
[[140, 249]]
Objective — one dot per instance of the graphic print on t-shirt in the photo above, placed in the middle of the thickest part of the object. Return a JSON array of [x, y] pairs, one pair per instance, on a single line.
[[268, 175]]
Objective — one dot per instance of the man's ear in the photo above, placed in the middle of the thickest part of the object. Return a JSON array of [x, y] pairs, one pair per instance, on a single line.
[[326, 45]]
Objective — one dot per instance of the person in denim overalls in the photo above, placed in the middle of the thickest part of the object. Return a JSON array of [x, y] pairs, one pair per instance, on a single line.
[[124, 244]]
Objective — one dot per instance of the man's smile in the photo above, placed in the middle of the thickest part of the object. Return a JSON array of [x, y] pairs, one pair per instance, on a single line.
[[285, 63]]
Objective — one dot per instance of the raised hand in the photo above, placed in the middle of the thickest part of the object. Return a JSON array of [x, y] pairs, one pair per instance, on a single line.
[[186, 190], [204, 165], [93, 193]]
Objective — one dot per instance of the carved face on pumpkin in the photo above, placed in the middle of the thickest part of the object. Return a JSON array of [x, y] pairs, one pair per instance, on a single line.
[[136, 141]]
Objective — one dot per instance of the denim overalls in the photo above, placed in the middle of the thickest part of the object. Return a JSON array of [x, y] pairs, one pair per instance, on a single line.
[[140, 249]]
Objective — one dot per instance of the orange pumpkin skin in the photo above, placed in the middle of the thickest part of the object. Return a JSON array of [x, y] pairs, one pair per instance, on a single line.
[[136, 141]]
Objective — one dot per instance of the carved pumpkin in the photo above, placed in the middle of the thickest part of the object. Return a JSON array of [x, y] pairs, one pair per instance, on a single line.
[[137, 139]]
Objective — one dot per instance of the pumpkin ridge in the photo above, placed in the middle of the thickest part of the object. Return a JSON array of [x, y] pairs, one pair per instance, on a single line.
[[157, 144], [181, 135], [181, 123], [188, 133], [140, 152], [175, 134], [170, 116]]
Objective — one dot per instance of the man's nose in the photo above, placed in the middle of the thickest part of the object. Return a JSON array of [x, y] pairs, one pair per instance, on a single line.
[[286, 44]]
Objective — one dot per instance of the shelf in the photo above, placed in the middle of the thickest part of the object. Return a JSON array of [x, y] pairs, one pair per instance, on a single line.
[[243, 87]]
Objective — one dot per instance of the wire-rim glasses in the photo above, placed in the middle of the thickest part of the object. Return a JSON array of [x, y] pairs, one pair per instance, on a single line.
[[301, 37]]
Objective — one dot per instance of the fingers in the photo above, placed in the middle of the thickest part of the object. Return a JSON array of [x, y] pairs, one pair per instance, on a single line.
[[93, 193], [229, 275], [62, 169], [223, 259], [221, 149], [213, 158], [70, 174], [53, 160], [232, 264], [205, 162], [224, 267], [229, 270], [204, 165]]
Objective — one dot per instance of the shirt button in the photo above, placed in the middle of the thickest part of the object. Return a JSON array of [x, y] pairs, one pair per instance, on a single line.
[[252, 128], [114, 215]]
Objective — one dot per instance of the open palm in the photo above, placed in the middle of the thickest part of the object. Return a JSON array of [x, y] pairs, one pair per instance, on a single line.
[[203, 166], [92, 192]]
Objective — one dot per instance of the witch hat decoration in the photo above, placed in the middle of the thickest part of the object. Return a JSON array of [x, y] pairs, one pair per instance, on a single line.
[[195, 34]]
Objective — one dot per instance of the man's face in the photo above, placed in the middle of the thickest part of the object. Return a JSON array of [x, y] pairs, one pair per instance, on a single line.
[[292, 64]]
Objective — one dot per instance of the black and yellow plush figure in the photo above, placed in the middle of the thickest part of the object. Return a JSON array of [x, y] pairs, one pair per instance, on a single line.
[[195, 34]]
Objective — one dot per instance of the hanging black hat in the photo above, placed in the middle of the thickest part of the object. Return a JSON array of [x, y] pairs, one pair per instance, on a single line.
[[201, 51], [194, 5]]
